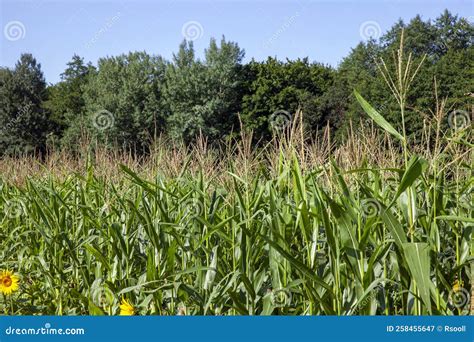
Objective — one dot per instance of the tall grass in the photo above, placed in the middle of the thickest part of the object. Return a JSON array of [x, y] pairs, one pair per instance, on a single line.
[[284, 231], [297, 227]]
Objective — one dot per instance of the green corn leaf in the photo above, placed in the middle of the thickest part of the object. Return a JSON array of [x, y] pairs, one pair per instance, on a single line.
[[298, 264], [418, 260], [414, 169], [94, 310], [377, 117], [98, 255], [455, 218], [395, 228]]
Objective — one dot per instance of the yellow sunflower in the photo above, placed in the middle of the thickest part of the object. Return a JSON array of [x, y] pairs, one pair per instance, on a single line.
[[8, 282], [126, 309]]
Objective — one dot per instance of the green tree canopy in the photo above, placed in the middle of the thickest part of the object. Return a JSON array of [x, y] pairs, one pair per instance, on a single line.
[[24, 121]]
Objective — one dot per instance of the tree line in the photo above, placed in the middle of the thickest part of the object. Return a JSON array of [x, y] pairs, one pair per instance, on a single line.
[[130, 99]]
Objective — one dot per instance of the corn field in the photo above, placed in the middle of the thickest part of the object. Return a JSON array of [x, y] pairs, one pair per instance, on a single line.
[[287, 240], [377, 226]]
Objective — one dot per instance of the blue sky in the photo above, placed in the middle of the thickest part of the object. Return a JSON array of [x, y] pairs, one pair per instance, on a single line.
[[324, 31]]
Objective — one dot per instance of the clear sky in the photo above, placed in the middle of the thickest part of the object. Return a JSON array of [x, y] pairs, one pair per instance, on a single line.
[[324, 31]]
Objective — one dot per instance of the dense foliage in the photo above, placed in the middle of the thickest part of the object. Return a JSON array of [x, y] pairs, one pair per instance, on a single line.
[[380, 224], [245, 233], [129, 100]]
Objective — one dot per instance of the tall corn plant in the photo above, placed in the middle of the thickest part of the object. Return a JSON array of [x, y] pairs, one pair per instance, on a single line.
[[416, 252]]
